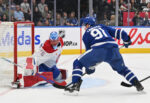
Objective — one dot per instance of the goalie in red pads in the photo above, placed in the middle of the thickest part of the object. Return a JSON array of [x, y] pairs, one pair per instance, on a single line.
[[44, 63]]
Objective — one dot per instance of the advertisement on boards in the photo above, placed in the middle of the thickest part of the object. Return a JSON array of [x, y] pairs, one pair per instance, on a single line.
[[73, 44]]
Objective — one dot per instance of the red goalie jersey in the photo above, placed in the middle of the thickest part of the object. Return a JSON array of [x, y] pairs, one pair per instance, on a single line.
[[43, 62]]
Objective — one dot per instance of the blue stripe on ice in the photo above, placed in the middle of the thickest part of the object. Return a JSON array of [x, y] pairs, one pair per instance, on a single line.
[[92, 82]]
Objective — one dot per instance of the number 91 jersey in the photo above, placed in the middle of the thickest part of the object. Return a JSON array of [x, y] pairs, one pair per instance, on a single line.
[[99, 36]]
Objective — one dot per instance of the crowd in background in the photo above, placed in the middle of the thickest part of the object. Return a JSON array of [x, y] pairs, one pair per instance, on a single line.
[[67, 11]]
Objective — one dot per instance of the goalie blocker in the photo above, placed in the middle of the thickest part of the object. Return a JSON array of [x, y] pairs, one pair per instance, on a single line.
[[29, 78]]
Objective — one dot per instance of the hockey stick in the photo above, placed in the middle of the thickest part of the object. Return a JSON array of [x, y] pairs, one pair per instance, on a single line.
[[129, 85], [63, 87], [11, 62], [55, 84], [7, 60]]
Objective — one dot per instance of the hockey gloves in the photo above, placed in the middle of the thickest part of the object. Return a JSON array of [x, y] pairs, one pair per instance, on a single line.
[[127, 43], [90, 70]]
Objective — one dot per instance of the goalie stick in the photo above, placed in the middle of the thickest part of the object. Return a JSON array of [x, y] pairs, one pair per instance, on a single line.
[[7, 60], [54, 83], [130, 85]]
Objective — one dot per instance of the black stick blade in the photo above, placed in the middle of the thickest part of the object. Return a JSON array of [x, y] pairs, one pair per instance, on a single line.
[[126, 84], [59, 86], [129, 85]]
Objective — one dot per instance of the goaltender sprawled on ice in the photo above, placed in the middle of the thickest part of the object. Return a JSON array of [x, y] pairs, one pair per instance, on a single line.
[[41, 67]]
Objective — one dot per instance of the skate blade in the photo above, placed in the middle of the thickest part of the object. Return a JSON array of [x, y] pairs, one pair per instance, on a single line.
[[141, 92], [75, 93]]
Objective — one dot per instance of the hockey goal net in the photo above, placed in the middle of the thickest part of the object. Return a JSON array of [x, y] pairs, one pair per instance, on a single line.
[[16, 43]]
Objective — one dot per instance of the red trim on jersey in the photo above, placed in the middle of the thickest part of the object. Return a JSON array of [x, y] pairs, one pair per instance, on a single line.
[[48, 47]]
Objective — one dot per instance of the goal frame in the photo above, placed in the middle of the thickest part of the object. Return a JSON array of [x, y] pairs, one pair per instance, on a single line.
[[16, 46]]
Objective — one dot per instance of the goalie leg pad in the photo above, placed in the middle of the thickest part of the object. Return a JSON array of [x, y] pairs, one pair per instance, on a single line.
[[29, 81]]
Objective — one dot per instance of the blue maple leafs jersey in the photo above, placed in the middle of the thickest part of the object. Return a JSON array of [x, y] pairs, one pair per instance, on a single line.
[[103, 36]]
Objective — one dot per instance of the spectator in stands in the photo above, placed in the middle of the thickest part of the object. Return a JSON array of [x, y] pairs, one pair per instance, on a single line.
[[112, 21], [143, 4], [36, 15], [34, 4], [72, 21], [18, 14], [123, 6], [25, 8], [12, 19], [146, 20], [59, 20], [2, 7], [65, 18], [46, 23], [50, 19], [137, 19], [39, 23], [5, 1], [6, 12], [13, 5], [12, 9], [133, 6], [41, 6], [144, 1], [4, 17], [147, 8], [46, 11], [112, 6], [133, 3], [105, 21]]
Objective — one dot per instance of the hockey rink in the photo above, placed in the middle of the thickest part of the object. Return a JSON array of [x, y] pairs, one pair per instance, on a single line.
[[101, 87]]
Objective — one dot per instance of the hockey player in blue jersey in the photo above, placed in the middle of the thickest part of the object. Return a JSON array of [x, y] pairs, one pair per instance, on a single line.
[[101, 47]]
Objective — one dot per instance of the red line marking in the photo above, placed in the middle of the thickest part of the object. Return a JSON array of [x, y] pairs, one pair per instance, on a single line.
[[6, 91]]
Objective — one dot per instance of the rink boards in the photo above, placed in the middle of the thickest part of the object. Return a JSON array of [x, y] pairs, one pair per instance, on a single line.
[[73, 39]]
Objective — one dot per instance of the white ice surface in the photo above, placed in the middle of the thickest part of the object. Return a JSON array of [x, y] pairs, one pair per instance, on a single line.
[[101, 87]]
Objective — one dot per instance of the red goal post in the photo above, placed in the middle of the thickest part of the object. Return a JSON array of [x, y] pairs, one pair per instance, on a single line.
[[15, 44], [10, 34]]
